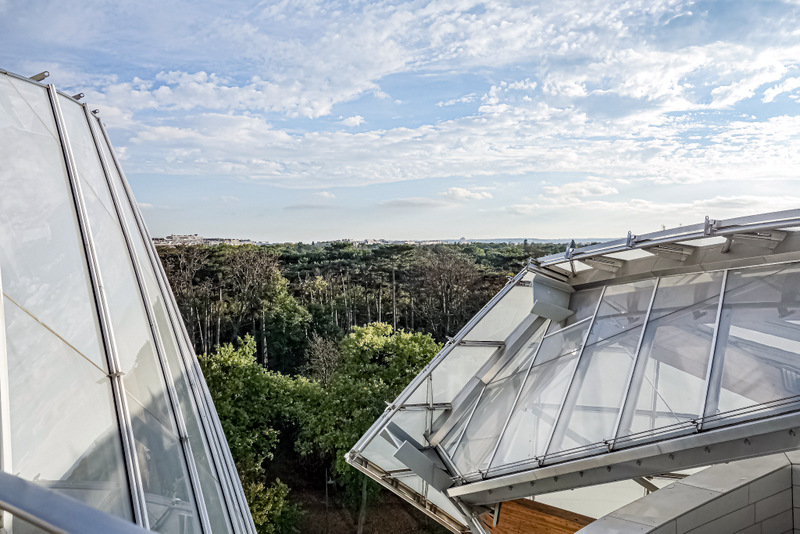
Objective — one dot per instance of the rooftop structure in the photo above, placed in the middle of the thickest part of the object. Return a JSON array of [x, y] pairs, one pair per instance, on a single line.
[[101, 397], [615, 362]]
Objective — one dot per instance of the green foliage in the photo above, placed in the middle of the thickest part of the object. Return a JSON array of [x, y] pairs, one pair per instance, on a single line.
[[375, 365], [248, 400]]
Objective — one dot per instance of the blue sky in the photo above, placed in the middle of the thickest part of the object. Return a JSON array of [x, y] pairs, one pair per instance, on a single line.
[[315, 120]]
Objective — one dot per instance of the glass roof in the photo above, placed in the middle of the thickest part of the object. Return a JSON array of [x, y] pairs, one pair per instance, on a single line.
[[629, 361]]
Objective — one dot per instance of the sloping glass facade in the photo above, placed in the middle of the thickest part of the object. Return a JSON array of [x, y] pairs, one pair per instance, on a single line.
[[600, 350], [101, 397]]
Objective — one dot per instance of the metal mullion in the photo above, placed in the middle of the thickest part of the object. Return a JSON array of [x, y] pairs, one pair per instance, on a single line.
[[466, 423], [138, 502], [212, 427], [516, 399], [557, 418], [635, 363], [172, 394], [5, 407], [711, 358]]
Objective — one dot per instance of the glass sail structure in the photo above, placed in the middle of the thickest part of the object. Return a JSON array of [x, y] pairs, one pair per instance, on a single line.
[[101, 397], [639, 356]]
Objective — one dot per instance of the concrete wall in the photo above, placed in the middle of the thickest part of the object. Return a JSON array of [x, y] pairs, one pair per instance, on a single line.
[[755, 496]]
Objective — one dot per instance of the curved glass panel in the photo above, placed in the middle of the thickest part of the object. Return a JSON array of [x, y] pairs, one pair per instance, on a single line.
[[209, 478], [62, 415], [170, 503]]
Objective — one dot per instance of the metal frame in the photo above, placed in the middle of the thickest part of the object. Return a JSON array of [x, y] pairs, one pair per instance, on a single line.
[[54, 512], [47, 508], [5, 404], [138, 504], [557, 419], [194, 478], [711, 364], [709, 228], [635, 363], [211, 426]]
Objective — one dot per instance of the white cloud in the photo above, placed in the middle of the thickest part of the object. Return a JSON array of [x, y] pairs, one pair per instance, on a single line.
[[326, 194], [413, 202], [460, 193], [587, 188], [787, 86], [355, 120]]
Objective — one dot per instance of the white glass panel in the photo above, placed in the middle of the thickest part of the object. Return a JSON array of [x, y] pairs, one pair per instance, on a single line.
[[381, 453], [504, 317], [160, 453], [668, 385], [592, 407], [64, 432], [759, 341], [483, 430], [450, 376], [209, 478], [452, 439], [41, 252], [564, 341], [441, 501], [534, 415]]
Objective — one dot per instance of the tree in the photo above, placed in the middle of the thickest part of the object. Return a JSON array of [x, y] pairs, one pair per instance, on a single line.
[[249, 401], [375, 364]]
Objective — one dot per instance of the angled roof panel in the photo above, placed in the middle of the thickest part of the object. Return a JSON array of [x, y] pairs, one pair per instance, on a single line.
[[634, 347]]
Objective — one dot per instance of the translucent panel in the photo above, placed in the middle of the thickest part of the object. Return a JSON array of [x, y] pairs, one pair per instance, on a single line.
[[591, 410], [445, 504], [521, 361], [16, 525], [453, 437], [160, 454], [450, 376], [564, 341], [483, 431], [532, 421], [756, 361], [623, 308], [628, 255], [504, 317], [668, 384], [64, 432], [381, 453], [209, 478], [41, 252], [595, 399]]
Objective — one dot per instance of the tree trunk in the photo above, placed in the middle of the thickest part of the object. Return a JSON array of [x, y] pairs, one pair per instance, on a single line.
[[362, 514], [394, 303]]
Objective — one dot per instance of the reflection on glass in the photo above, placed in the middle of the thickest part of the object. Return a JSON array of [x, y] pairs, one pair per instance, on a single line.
[[209, 478], [41, 252], [483, 430], [64, 432], [595, 397], [532, 421], [582, 303], [759, 339], [504, 317], [669, 381], [170, 503]]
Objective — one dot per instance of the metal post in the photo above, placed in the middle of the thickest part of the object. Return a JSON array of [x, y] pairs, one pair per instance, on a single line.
[[557, 418], [183, 435], [702, 410], [634, 365], [138, 502], [5, 408], [212, 427]]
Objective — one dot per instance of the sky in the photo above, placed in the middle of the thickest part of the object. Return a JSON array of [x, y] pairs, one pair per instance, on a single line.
[[309, 120]]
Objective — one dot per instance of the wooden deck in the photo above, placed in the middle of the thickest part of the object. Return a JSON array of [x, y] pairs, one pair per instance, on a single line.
[[523, 516]]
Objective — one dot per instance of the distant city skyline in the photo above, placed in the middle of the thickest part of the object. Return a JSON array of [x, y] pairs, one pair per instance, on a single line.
[[314, 120]]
